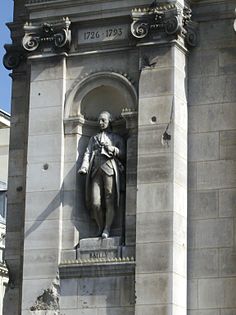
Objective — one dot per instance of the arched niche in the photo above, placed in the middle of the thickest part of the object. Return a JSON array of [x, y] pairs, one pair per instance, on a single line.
[[100, 91], [85, 100]]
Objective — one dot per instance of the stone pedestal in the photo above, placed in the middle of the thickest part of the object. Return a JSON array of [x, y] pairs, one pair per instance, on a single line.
[[91, 248]]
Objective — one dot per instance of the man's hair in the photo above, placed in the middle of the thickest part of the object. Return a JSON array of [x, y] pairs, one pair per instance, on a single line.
[[108, 114]]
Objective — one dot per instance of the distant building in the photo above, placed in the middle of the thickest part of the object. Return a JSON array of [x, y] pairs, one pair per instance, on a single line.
[[4, 148]]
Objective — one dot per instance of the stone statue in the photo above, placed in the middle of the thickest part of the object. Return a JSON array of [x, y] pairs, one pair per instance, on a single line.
[[102, 163]]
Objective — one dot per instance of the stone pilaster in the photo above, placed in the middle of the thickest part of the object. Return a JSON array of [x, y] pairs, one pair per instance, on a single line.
[[161, 225], [44, 181]]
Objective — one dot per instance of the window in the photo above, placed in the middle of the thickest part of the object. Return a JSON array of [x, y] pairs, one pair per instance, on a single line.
[[3, 205]]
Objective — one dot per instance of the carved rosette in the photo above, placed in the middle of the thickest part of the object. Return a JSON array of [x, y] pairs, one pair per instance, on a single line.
[[165, 19], [57, 36]]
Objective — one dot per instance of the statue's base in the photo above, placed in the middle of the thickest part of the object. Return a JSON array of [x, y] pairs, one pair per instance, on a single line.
[[98, 247]]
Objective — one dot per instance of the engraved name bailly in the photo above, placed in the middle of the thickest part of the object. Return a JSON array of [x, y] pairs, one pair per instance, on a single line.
[[100, 254]]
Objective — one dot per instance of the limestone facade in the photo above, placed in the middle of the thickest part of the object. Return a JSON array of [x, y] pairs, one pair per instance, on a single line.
[[167, 75]]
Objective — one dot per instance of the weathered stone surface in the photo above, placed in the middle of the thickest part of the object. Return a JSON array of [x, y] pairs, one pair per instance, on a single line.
[[69, 294], [211, 89], [203, 62], [180, 200], [213, 36], [40, 96], [192, 175], [40, 179], [204, 312], [31, 292], [70, 235], [203, 204], [43, 205], [210, 293], [228, 311], [47, 70], [227, 261], [150, 139], [105, 292], [16, 163], [158, 106], [227, 202], [115, 311], [154, 168], [215, 117], [45, 122], [155, 257], [40, 234], [51, 151], [203, 263], [216, 174], [228, 145], [192, 297], [160, 78], [227, 60], [205, 233], [40, 263], [156, 196], [153, 288], [203, 146], [154, 226], [179, 293], [117, 61], [151, 309]]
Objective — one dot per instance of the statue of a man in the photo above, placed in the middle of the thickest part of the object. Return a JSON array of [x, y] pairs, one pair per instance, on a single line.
[[102, 163]]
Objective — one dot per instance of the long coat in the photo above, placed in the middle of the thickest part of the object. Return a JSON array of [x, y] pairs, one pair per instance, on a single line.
[[94, 150]]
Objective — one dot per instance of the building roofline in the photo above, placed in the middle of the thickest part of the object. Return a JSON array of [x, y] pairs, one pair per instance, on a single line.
[[5, 118]]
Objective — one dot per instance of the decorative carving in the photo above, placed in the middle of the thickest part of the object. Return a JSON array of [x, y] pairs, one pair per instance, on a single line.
[[57, 35], [163, 19], [49, 300], [96, 261], [13, 57]]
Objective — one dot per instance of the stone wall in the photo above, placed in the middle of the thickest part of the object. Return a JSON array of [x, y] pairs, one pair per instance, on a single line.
[[212, 164]]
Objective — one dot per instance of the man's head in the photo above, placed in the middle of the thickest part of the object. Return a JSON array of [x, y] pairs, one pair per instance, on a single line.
[[104, 120]]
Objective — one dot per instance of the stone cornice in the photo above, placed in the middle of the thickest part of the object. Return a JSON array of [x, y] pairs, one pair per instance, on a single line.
[[81, 10], [96, 269]]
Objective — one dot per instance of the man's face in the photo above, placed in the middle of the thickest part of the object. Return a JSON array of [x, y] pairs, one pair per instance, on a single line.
[[103, 121]]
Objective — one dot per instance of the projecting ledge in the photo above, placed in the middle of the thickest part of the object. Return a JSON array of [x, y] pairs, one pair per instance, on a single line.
[[105, 269]]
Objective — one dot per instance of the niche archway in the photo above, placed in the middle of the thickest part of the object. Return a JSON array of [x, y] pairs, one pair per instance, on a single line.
[[84, 101], [101, 91]]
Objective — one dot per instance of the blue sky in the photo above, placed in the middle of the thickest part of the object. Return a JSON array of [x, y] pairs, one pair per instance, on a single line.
[[6, 12]]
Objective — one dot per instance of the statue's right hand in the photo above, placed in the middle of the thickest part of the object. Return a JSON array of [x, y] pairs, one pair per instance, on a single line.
[[82, 171]]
